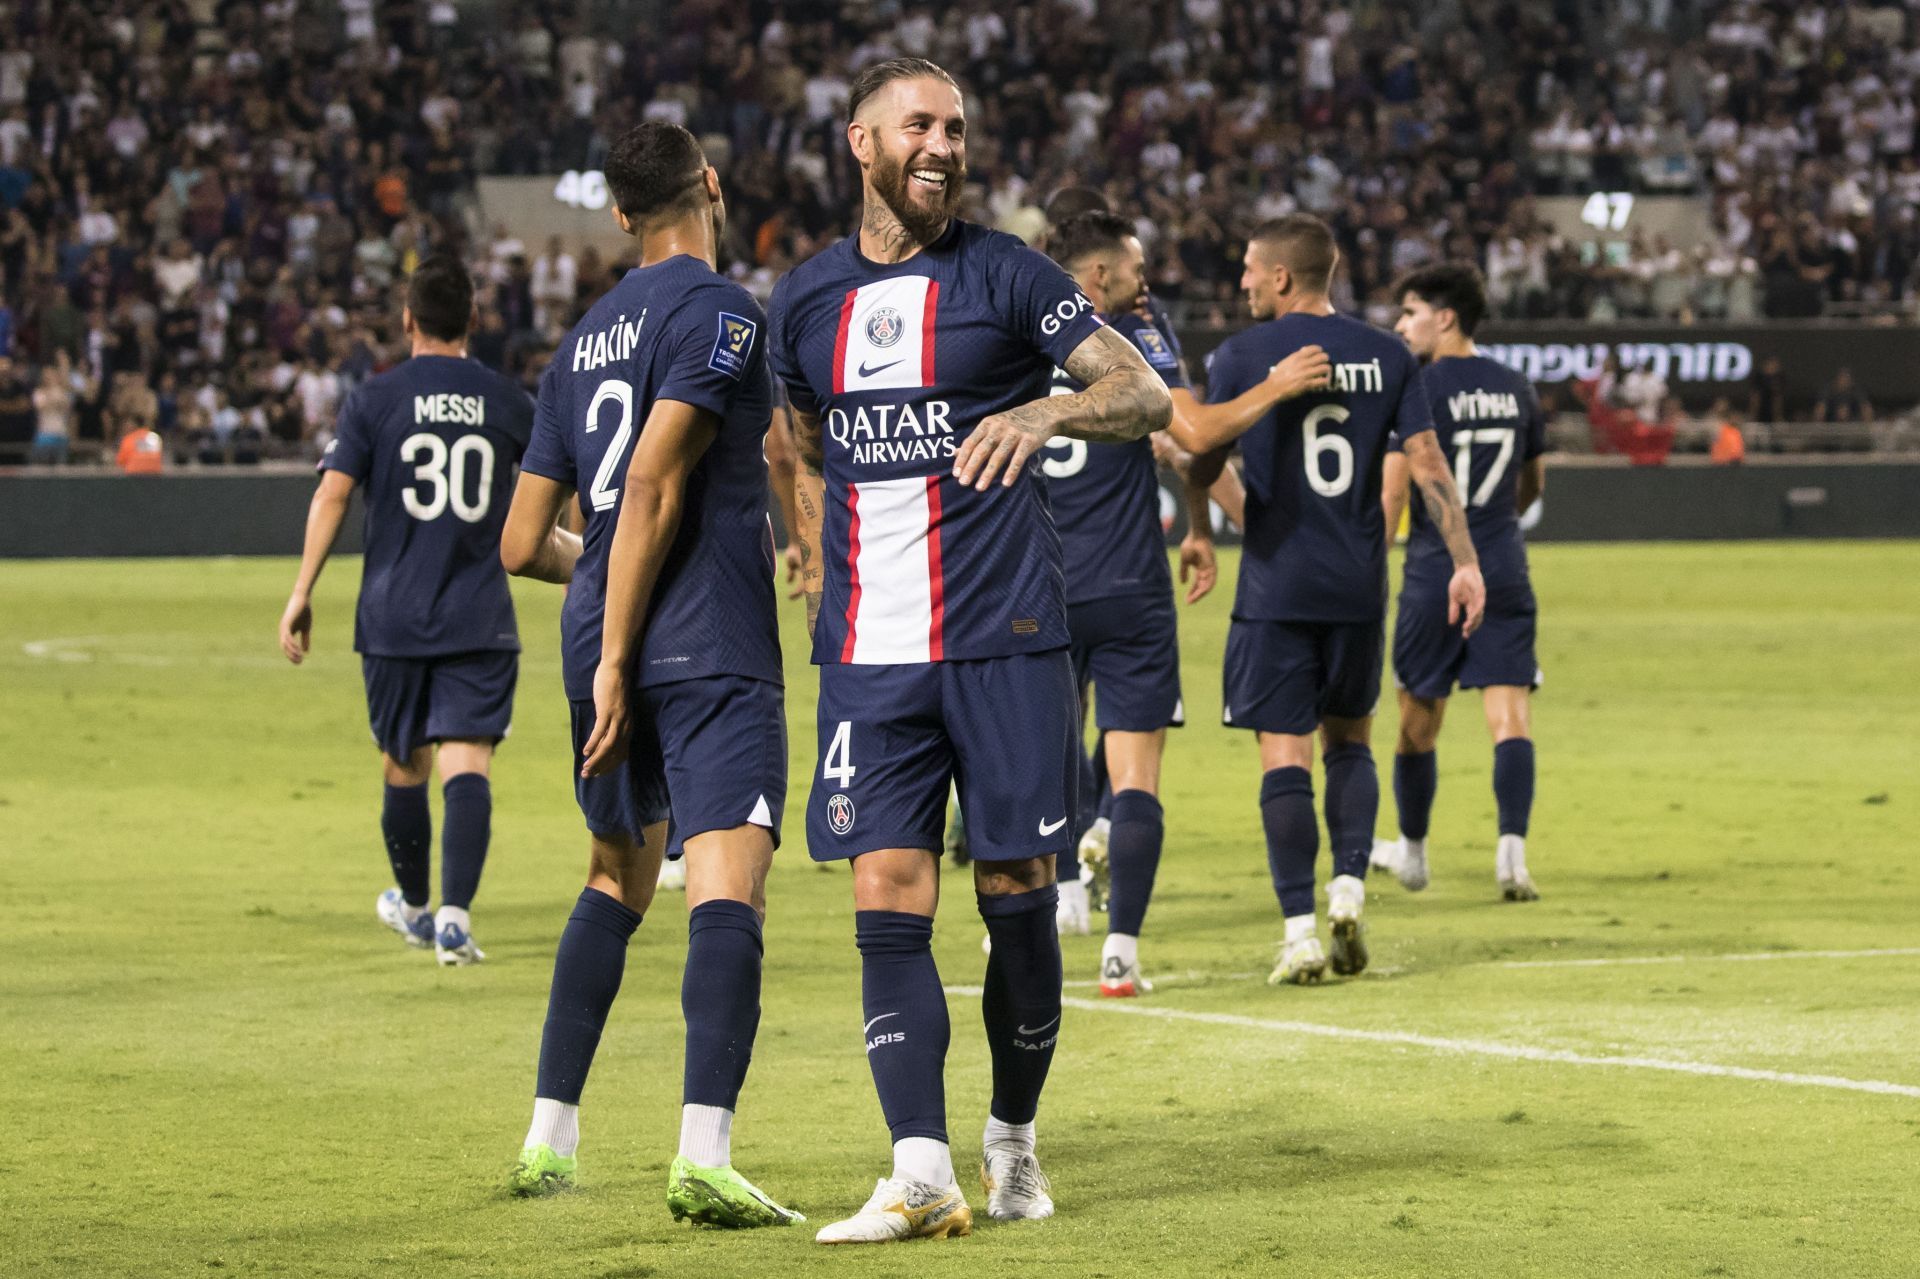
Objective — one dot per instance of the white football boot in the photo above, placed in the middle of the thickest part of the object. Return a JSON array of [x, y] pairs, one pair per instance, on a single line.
[[673, 875], [453, 945], [902, 1209], [1095, 870], [1510, 868], [416, 931], [1406, 858], [1016, 1188], [1072, 917], [1302, 960], [1346, 897]]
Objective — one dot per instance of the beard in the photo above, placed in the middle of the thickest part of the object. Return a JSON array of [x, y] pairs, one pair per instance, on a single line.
[[923, 222]]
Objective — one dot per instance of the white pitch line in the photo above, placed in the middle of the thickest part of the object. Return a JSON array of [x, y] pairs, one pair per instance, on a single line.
[[1482, 1047], [1736, 958]]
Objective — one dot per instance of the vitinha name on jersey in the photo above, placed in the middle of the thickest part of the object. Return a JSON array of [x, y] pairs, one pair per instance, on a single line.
[[463, 410], [878, 433], [609, 345], [1479, 406]]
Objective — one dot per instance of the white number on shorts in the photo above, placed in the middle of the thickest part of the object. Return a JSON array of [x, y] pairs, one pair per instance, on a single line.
[[445, 472], [1337, 445], [1463, 442], [606, 491], [838, 765]]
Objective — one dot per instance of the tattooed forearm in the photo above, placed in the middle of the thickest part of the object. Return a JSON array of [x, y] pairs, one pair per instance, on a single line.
[[1444, 508], [1124, 399], [810, 497]]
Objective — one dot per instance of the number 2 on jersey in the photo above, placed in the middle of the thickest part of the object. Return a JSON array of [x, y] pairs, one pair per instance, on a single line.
[[606, 488], [1463, 442]]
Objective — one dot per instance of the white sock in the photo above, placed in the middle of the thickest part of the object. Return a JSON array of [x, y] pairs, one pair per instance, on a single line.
[[411, 913], [452, 915], [1513, 852], [1415, 847], [1000, 1135], [1072, 890], [923, 1159], [1127, 948], [1301, 927], [706, 1135], [555, 1124]]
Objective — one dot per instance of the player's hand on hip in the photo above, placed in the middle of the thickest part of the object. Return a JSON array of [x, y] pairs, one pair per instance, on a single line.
[[607, 744], [1198, 563], [999, 446], [296, 629], [1466, 599], [1308, 369], [795, 587]]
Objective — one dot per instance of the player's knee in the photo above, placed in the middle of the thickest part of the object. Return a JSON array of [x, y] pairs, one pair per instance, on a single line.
[[618, 865], [1021, 875], [1336, 732], [411, 771], [729, 865], [459, 756], [902, 879]]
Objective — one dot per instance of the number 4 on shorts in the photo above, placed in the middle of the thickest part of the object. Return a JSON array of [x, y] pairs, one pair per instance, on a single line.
[[838, 765]]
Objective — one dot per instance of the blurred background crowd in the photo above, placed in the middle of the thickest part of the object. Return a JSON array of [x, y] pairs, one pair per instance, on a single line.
[[205, 205]]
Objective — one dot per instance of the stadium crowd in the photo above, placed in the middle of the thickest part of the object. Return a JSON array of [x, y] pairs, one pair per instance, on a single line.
[[205, 204]]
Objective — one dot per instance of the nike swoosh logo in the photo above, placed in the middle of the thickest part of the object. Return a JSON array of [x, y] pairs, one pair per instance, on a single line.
[[882, 1017], [1047, 828], [866, 371], [1037, 1029]]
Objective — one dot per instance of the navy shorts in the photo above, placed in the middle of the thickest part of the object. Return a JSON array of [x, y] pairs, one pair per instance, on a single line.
[[1128, 648], [894, 738], [1430, 657], [414, 701], [709, 754], [1285, 677]]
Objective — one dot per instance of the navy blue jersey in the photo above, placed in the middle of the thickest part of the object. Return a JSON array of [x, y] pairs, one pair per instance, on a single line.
[[901, 361], [675, 330], [433, 442], [1488, 422], [1316, 547], [1106, 497]]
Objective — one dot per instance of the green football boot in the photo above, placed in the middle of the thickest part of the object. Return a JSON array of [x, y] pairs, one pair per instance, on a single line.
[[539, 1171], [721, 1197]]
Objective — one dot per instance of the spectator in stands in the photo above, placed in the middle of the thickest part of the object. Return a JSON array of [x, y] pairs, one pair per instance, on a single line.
[[53, 413], [1767, 393], [141, 451], [1645, 392], [1729, 445], [1842, 402]]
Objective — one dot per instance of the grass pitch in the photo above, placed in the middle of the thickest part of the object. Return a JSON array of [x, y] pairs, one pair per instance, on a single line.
[[216, 1062]]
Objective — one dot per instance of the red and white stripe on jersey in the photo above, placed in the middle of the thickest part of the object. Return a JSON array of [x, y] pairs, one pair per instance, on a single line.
[[886, 335], [896, 600]]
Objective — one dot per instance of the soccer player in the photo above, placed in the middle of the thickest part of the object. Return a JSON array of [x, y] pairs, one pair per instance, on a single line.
[[1106, 504], [917, 355], [1488, 420], [1304, 648], [434, 441], [655, 409]]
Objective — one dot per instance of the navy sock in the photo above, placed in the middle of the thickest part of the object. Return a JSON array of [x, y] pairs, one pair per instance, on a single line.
[[1102, 780], [1133, 852], [1416, 778], [408, 826], [906, 1014], [1293, 836], [1513, 784], [1353, 806], [720, 998], [465, 827], [586, 976], [1021, 1002]]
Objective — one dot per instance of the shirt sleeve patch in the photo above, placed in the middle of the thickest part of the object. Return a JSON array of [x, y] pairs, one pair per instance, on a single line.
[[1155, 348], [732, 345]]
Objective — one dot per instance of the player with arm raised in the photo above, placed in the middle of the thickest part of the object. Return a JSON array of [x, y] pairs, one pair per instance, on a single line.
[[917, 354], [1304, 649], [433, 443], [655, 408], [1105, 500], [1488, 420]]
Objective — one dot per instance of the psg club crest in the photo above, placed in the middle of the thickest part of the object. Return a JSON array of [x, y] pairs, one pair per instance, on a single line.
[[885, 326], [840, 812]]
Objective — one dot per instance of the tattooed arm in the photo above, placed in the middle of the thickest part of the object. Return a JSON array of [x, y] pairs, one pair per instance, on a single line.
[[810, 502], [1124, 400], [1467, 593]]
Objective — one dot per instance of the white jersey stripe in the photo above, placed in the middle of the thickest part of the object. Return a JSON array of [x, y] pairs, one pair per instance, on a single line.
[[894, 619], [886, 338]]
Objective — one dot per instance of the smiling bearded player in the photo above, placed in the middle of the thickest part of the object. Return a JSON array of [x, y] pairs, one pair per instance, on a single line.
[[918, 355]]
